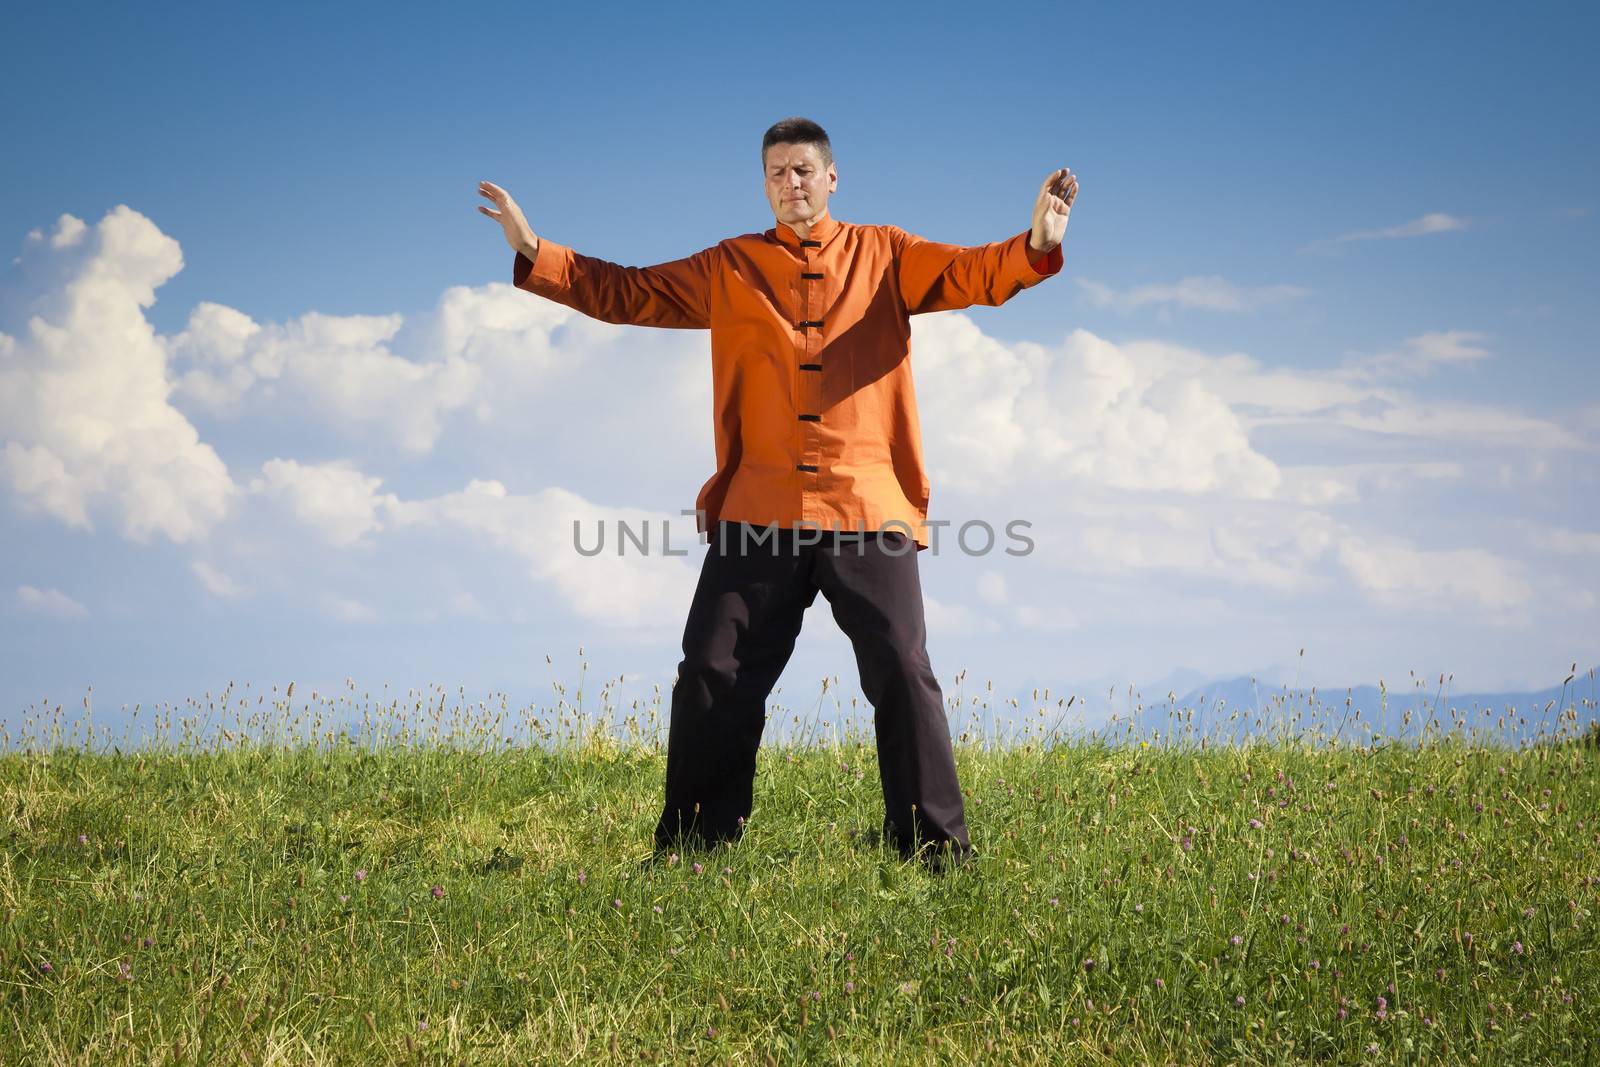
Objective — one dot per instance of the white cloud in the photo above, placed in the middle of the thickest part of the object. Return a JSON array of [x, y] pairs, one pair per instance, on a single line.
[[1211, 292], [335, 499], [1268, 545], [345, 609], [992, 587], [1397, 574], [1433, 222], [627, 588], [52, 603], [1323, 485], [216, 583], [1565, 541], [1420, 355], [84, 392], [944, 617], [488, 352], [1092, 411]]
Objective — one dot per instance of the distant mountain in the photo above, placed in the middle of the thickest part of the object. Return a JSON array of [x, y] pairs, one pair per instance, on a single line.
[[1241, 707]]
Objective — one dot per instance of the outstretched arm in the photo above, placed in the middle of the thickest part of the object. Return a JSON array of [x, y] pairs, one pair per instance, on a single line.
[[945, 277], [675, 294]]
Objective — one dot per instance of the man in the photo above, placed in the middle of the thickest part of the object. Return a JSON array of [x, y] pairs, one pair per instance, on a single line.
[[816, 429]]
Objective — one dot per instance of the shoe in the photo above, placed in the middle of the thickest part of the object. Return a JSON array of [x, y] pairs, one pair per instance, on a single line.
[[942, 860]]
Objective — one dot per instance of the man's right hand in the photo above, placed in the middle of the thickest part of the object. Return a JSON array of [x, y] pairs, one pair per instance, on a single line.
[[518, 235]]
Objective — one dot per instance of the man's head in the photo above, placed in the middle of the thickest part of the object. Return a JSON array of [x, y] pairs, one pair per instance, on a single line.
[[798, 162]]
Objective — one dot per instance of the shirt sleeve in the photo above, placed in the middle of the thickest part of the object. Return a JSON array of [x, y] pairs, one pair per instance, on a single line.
[[945, 277], [675, 295]]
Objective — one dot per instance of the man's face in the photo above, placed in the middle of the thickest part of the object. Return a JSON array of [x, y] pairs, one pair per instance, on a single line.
[[798, 183]]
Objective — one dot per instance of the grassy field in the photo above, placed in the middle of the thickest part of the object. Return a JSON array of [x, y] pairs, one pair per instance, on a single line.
[[283, 892]]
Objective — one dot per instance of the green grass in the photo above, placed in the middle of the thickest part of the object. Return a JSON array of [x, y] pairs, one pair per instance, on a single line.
[[203, 902]]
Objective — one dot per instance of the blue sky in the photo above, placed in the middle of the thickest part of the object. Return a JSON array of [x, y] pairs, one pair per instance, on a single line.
[[1318, 372]]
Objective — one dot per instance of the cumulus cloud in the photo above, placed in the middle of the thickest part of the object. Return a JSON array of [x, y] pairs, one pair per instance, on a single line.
[[341, 366], [84, 397], [1398, 574], [336, 499], [620, 585], [1145, 457], [52, 603], [1266, 545], [1093, 412], [1211, 292], [484, 353]]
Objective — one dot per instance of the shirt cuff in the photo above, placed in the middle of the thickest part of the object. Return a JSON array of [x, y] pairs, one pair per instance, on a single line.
[[1047, 264], [538, 273]]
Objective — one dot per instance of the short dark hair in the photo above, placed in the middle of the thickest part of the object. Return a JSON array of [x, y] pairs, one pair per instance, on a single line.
[[797, 130]]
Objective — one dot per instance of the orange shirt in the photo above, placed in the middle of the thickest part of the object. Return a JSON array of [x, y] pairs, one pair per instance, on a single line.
[[815, 412]]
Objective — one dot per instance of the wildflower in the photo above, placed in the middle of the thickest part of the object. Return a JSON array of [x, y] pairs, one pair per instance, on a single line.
[[1238, 1001], [711, 1031], [616, 903], [1372, 1049], [698, 867], [437, 891], [44, 965], [849, 987], [83, 839], [672, 859], [147, 942], [1088, 964], [1055, 901], [1316, 965], [361, 875], [656, 908], [1344, 929], [1283, 920], [343, 897], [1516, 947], [1342, 1014], [583, 876], [422, 1024], [1235, 940], [1255, 824], [1138, 907], [1161, 983], [1188, 844]]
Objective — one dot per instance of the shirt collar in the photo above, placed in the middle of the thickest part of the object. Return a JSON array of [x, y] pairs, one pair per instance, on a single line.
[[821, 230]]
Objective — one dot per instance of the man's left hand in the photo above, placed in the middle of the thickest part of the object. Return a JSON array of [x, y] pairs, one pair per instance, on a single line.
[[1050, 211]]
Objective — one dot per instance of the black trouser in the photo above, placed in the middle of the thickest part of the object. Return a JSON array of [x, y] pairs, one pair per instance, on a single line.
[[755, 585]]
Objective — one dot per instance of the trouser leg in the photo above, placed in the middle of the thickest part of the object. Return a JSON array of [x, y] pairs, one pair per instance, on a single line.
[[741, 630], [876, 597]]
